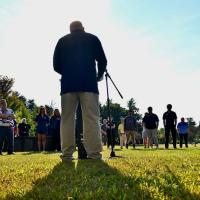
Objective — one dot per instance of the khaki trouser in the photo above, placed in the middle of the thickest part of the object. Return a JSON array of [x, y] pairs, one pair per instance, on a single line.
[[130, 133], [122, 137], [152, 135], [91, 123]]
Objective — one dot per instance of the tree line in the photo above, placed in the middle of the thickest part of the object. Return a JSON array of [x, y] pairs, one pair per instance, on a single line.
[[27, 108]]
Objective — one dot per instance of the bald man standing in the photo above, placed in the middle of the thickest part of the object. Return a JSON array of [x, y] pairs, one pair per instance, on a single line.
[[75, 58]]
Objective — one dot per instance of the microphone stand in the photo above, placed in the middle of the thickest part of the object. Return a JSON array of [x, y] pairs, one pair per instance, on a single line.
[[107, 75], [82, 154]]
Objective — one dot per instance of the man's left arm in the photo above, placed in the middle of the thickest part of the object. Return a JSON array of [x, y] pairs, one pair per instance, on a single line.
[[101, 59], [8, 116], [157, 124]]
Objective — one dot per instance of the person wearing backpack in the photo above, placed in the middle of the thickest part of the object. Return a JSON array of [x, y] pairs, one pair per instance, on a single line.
[[130, 127]]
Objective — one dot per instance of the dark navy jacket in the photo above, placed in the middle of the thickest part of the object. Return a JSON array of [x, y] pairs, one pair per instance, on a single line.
[[75, 58], [130, 123]]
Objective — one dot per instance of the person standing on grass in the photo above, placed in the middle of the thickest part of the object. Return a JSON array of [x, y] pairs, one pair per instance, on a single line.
[[182, 128], [169, 122], [23, 128], [23, 132], [6, 127], [144, 135], [104, 132], [121, 132], [130, 127], [151, 123], [15, 128], [42, 121], [55, 129], [110, 132], [75, 58]]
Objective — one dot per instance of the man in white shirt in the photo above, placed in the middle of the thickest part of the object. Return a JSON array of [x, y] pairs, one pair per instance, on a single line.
[[6, 126]]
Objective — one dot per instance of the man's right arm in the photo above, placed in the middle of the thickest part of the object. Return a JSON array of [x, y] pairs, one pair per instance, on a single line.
[[56, 58], [3, 116], [164, 122]]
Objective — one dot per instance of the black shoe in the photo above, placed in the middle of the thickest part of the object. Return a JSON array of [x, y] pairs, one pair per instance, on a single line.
[[127, 146], [1, 154], [134, 146], [10, 153]]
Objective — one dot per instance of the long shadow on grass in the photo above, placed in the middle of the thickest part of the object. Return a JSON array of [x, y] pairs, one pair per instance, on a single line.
[[175, 189], [37, 152], [87, 179]]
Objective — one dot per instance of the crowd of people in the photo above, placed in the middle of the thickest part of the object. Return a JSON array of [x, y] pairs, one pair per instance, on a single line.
[[45, 126], [48, 126], [128, 129]]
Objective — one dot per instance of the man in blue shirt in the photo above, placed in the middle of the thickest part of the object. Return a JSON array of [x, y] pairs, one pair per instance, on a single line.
[[182, 128], [130, 127]]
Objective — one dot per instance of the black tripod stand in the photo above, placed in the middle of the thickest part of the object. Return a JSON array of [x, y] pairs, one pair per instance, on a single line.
[[112, 154]]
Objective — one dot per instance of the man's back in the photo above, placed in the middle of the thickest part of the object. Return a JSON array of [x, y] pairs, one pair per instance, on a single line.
[[130, 123], [182, 127], [24, 129], [151, 121], [75, 59], [170, 117]]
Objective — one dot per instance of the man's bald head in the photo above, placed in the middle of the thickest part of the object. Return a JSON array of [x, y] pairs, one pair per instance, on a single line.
[[76, 25]]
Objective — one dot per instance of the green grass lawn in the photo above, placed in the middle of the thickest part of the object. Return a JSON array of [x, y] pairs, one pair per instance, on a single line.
[[139, 174]]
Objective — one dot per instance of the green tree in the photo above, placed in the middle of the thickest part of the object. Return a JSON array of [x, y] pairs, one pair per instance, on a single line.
[[49, 110], [161, 135], [5, 86], [191, 122], [115, 109], [22, 107], [194, 133], [33, 110], [131, 104], [31, 105]]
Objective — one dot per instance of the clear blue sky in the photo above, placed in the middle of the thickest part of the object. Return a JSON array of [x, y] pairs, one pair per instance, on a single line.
[[152, 48], [176, 22]]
